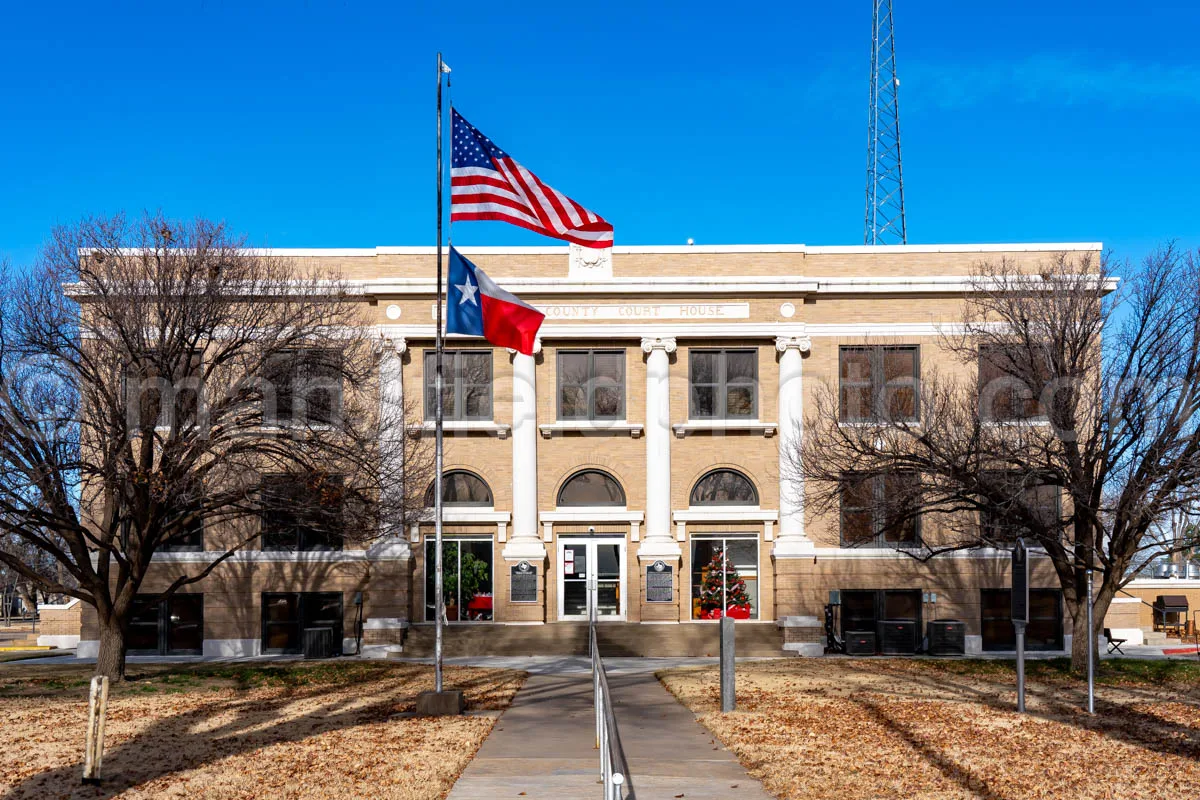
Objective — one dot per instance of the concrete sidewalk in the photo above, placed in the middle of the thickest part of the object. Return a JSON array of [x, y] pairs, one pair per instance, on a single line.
[[543, 746]]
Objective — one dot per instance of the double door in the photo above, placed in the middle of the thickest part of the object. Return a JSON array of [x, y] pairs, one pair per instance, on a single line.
[[584, 562]]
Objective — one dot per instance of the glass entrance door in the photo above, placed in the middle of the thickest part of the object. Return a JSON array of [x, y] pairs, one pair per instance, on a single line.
[[581, 561]]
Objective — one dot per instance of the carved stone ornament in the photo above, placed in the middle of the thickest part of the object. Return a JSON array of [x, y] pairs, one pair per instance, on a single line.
[[590, 263], [801, 343], [652, 343]]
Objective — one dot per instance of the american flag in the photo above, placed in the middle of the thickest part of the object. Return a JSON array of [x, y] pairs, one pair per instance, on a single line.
[[487, 183]]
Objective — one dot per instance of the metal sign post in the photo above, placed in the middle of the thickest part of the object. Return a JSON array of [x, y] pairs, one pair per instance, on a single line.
[[1091, 645], [1020, 612]]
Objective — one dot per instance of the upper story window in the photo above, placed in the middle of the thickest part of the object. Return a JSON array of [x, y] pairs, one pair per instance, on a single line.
[[591, 384], [161, 394], [591, 487], [879, 510], [879, 382], [1005, 393], [1022, 496], [466, 384], [302, 387], [462, 489], [190, 536], [724, 384], [301, 514], [724, 487]]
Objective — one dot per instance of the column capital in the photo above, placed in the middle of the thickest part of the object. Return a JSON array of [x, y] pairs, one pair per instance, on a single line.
[[390, 344], [664, 343], [537, 347], [785, 343]]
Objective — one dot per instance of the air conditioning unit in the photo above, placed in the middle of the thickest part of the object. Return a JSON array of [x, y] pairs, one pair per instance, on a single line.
[[860, 643], [947, 637], [318, 642], [898, 637]]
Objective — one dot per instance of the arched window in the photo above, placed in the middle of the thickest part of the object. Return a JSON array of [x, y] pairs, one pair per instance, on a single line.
[[724, 487], [591, 487], [461, 488]]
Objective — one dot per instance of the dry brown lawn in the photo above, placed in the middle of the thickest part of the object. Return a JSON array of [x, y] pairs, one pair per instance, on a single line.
[[296, 731], [851, 729]]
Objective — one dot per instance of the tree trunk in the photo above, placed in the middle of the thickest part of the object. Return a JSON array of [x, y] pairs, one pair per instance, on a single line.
[[111, 660], [1079, 631]]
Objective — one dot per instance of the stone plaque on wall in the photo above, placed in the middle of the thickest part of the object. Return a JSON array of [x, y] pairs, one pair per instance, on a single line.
[[522, 585], [660, 583]]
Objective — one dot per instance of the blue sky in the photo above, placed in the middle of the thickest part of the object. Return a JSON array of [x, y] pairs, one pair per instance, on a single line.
[[310, 123]]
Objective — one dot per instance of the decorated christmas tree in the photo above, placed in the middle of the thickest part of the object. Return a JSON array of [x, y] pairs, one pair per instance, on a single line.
[[723, 590]]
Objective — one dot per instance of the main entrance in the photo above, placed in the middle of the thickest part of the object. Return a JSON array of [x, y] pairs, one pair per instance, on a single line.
[[581, 560]]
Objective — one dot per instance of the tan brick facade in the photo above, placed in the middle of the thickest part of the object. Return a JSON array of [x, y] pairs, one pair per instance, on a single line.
[[699, 299]]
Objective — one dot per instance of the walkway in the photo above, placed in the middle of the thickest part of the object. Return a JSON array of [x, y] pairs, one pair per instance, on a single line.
[[543, 746]]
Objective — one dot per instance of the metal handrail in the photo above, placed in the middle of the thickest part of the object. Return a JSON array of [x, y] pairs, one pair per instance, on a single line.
[[614, 769]]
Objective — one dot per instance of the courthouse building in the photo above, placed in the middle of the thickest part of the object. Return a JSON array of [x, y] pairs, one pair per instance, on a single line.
[[640, 445]]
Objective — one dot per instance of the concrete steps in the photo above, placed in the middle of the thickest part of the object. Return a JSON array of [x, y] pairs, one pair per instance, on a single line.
[[616, 639]]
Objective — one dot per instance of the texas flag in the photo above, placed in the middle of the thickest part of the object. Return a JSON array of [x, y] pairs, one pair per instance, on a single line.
[[476, 306]]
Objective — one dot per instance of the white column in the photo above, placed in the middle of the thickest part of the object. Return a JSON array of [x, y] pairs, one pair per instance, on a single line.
[[524, 543], [392, 424], [792, 543], [658, 541]]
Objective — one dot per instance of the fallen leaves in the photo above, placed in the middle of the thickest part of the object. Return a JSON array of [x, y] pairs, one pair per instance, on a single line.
[[335, 733], [845, 729]]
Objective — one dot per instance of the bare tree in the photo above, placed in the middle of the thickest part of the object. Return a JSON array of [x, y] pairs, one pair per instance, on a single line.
[[152, 373], [1065, 413]]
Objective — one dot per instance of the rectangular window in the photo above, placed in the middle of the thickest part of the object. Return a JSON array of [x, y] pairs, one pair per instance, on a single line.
[[301, 515], [724, 576], [723, 384], [174, 626], [303, 387], [878, 382], [189, 538], [591, 384], [285, 615], [880, 510], [1002, 522], [151, 394], [1044, 631], [466, 579], [1004, 395], [466, 384]]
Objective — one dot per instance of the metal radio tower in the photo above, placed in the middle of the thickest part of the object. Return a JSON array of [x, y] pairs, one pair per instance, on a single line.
[[885, 178]]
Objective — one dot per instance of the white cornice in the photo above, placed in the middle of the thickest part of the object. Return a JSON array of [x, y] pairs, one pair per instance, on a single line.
[[730, 286], [715, 330], [725, 514], [591, 514], [1035, 247], [426, 250], [774, 284]]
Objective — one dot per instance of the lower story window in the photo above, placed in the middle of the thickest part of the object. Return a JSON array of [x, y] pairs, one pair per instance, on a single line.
[[1045, 628], [724, 576], [285, 615], [466, 579], [174, 626]]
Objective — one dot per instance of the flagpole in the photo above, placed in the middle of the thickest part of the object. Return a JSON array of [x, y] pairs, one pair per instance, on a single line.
[[439, 599]]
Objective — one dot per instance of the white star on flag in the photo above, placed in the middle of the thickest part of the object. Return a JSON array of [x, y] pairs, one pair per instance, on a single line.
[[467, 290]]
